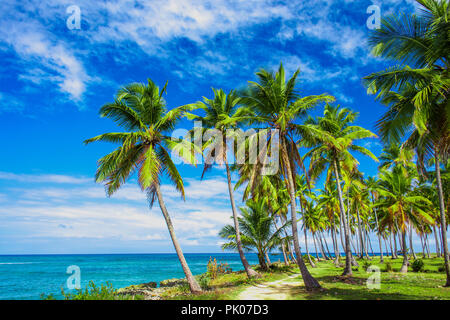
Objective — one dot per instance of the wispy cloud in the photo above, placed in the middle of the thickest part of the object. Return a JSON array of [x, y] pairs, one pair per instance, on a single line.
[[43, 178]]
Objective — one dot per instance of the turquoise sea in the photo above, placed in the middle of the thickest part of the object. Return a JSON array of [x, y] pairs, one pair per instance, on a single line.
[[27, 276]]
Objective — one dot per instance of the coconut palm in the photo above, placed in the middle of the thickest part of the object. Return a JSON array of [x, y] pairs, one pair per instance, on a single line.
[[257, 231], [278, 106], [401, 205], [332, 138], [223, 112], [145, 149], [372, 188], [329, 202], [417, 96]]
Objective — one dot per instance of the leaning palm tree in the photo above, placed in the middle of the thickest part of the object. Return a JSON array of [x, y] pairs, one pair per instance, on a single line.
[[145, 148], [278, 105], [223, 112], [417, 96], [332, 138]]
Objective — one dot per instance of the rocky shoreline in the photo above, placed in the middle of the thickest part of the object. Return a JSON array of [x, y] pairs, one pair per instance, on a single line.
[[150, 290]]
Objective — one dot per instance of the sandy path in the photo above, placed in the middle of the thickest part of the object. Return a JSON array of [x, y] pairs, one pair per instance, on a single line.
[[276, 290]]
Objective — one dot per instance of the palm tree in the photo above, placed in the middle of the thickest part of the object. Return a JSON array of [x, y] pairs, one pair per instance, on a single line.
[[257, 231], [328, 200], [222, 113], [302, 190], [278, 105], [140, 110], [372, 187], [401, 205], [332, 138], [422, 92]]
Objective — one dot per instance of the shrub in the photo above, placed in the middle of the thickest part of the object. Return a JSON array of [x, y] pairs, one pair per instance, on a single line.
[[305, 258], [280, 267], [389, 267], [93, 292], [214, 269], [203, 281], [442, 268], [366, 264], [418, 265]]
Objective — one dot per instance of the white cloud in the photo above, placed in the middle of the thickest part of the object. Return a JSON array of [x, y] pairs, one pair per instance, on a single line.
[[43, 178], [82, 211]]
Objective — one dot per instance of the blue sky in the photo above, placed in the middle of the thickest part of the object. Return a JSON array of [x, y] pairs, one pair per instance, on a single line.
[[53, 81]]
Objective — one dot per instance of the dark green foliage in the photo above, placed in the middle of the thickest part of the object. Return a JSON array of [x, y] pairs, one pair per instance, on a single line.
[[418, 265], [389, 267], [93, 292]]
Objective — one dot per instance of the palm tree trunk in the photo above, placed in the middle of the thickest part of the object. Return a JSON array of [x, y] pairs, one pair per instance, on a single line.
[[427, 246], [250, 272], [268, 258], [322, 247], [193, 285], [369, 244], [283, 249], [438, 245], [308, 279], [394, 236], [411, 241], [348, 251], [341, 233], [361, 240], [312, 264], [378, 231], [390, 245], [442, 214], [315, 248], [404, 268], [307, 251], [335, 245]]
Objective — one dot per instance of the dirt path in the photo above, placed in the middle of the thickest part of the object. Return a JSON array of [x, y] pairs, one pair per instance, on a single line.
[[276, 290]]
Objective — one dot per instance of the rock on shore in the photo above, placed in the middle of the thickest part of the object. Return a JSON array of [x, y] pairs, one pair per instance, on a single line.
[[149, 290]]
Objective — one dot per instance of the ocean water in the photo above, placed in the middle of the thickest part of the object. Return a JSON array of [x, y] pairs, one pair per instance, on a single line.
[[28, 276]]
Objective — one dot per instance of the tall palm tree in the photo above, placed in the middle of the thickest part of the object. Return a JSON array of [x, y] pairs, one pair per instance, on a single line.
[[332, 138], [140, 110], [278, 106], [417, 96], [223, 112], [401, 205]]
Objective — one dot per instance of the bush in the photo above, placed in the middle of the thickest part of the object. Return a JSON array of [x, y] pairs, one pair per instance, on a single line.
[[418, 265], [214, 269], [366, 264], [280, 267], [442, 268], [389, 267], [93, 292], [204, 281], [305, 258]]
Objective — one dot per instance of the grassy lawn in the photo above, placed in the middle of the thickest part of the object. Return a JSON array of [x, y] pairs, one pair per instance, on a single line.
[[425, 285]]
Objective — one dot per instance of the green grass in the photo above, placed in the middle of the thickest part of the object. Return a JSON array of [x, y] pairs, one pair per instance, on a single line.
[[425, 285], [229, 286], [393, 285]]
